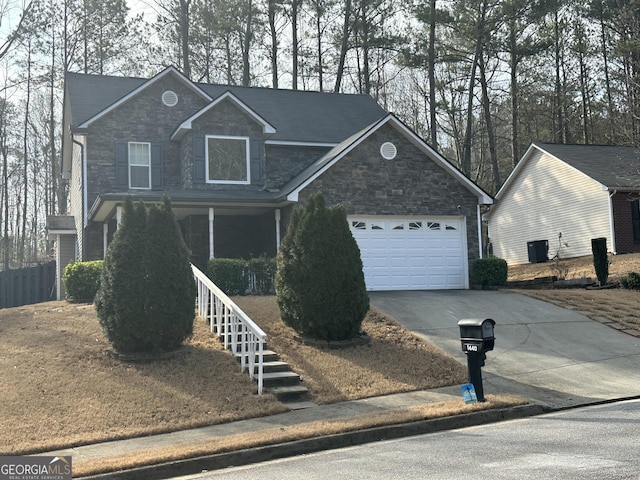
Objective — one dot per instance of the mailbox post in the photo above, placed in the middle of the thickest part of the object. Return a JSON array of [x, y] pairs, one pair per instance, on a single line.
[[477, 338]]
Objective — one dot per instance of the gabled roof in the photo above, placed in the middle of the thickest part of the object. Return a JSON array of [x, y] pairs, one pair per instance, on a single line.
[[299, 117], [117, 93], [186, 125], [297, 184], [613, 167]]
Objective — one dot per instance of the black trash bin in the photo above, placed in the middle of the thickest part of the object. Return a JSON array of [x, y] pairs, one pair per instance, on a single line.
[[538, 251]]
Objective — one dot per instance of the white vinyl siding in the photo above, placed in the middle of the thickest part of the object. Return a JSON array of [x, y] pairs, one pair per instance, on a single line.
[[549, 197]]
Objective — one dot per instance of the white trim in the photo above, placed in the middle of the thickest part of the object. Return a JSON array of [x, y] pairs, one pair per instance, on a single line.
[[612, 230], [479, 220], [247, 150], [58, 269], [142, 87], [525, 160], [300, 144], [483, 197], [105, 236], [267, 128], [278, 217], [211, 219], [129, 164]]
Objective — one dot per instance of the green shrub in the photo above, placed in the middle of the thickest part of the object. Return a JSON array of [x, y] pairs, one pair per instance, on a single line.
[[262, 271], [228, 274], [488, 272], [82, 280], [242, 277], [600, 259], [631, 281], [147, 293], [319, 281]]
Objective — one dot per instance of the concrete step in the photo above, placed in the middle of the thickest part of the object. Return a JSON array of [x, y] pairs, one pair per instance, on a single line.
[[288, 393], [267, 356], [280, 379], [275, 366]]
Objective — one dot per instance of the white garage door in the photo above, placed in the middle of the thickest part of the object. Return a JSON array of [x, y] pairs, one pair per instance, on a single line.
[[412, 253]]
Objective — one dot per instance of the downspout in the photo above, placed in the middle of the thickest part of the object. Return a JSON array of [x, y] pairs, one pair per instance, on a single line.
[[83, 175], [611, 224], [479, 215]]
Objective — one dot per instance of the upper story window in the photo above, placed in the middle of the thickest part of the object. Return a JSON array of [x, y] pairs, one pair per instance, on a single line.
[[227, 160], [139, 165]]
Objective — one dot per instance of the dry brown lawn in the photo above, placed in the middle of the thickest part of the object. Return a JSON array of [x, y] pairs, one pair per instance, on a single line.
[[615, 306], [60, 386]]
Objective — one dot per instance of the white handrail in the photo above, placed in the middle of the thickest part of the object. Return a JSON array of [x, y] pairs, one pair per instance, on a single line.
[[241, 334]]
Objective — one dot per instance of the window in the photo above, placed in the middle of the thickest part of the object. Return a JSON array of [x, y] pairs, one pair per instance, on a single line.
[[139, 165], [227, 160]]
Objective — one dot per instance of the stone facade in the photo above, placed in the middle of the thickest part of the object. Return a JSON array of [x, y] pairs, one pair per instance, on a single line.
[[364, 183]]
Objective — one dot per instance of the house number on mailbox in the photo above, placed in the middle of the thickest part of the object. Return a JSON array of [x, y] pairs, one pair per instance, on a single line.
[[470, 348]]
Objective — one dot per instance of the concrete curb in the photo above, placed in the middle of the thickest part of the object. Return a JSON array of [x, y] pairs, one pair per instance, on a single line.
[[299, 447]]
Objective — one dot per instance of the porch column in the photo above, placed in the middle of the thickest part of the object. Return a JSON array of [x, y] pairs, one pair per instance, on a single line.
[[211, 217], [118, 216], [105, 236], [277, 229]]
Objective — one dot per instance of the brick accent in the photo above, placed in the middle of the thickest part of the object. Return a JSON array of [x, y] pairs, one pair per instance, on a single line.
[[622, 224]]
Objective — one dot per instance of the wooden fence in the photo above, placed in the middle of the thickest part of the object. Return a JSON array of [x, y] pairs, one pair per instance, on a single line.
[[28, 285]]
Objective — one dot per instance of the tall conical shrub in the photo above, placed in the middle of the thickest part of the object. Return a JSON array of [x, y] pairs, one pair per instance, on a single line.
[[320, 285], [120, 301], [147, 294], [600, 259], [172, 290]]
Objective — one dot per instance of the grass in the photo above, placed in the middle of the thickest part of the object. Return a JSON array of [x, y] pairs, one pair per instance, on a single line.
[[60, 387]]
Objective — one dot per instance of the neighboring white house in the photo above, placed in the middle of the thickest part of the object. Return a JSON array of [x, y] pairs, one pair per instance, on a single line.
[[567, 195]]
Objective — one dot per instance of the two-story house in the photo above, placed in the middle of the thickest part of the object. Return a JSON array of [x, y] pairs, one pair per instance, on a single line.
[[235, 161]]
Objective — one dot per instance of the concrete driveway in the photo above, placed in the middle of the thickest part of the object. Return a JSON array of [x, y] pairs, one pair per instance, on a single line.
[[548, 354]]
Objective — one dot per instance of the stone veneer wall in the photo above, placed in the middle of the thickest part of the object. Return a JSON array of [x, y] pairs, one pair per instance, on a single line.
[[412, 184]]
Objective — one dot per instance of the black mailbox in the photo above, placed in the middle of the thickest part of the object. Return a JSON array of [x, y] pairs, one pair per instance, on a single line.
[[476, 334]]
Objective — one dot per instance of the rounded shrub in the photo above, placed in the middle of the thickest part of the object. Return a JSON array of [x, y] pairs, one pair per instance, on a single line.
[[600, 259], [147, 293], [228, 274], [82, 280], [488, 272], [319, 282], [631, 281]]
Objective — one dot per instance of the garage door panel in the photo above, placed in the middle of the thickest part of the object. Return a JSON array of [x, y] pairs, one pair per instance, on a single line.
[[418, 254]]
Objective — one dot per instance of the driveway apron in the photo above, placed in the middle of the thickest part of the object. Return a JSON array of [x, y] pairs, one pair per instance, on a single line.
[[551, 355]]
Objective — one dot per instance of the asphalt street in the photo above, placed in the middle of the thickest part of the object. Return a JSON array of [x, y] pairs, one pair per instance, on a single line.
[[589, 443]]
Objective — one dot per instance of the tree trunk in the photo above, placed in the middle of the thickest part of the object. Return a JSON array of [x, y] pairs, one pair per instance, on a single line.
[[432, 77], [344, 45], [184, 37], [294, 44], [274, 43]]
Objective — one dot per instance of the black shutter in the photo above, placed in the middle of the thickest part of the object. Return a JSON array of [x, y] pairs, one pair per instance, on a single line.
[[198, 159], [256, 157], [122, 164], [635, 218], [156, 166]]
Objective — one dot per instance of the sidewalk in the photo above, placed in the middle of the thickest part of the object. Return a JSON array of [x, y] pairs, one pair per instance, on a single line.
[[344, 410]]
